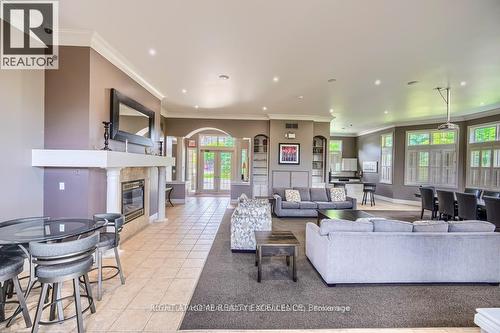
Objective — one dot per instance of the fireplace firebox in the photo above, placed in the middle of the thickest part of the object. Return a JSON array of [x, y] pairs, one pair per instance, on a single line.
[[133, 199]]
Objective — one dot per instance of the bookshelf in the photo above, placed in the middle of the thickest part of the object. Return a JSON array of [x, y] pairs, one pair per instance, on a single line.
[[260, 166], [319, 161]]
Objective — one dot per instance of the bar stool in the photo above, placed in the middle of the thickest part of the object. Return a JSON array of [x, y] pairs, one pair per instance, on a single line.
[[10, 268], [59, 262], [369, 191], [108, 241]]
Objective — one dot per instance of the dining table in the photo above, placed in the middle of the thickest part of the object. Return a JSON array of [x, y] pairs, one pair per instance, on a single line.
[[21, 232]]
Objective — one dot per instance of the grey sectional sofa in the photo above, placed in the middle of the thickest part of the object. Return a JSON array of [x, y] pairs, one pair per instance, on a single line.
[[374, 251], [312, 199]]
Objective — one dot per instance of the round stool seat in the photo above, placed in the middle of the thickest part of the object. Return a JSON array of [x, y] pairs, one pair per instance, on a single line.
[[11, 266], [62, 270]]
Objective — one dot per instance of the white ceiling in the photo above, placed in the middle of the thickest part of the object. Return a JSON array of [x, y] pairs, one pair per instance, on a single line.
[[304, 43]]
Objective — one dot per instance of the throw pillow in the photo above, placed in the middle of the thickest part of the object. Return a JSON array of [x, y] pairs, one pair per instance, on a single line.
[[430, 226], [470, 226], [243, 198], [292, 195], [337, 194], [392, 226]]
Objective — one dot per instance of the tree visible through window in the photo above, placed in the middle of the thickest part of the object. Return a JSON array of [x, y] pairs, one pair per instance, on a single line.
[[483, 166], [386, 159], [335, 155]]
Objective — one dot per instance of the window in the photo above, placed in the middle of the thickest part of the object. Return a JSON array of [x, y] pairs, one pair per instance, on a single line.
[[483, 154], [216, 141], [431, 158], [335, 155], [386, 159]]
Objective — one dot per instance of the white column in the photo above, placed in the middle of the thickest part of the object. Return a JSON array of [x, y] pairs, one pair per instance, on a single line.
[[113, 199], [162, 179]]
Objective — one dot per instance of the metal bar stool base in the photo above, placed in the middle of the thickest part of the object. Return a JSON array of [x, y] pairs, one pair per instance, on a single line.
[[51, 322]]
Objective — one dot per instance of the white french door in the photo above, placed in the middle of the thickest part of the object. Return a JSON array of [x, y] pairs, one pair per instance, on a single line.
[[216, 171]]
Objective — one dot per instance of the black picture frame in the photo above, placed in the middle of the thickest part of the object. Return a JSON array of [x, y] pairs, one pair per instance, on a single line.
[[118, 98], [283, 159]]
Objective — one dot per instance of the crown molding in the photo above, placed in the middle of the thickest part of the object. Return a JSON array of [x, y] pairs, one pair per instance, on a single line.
[[304, 117], [75, 37], [210, 115]]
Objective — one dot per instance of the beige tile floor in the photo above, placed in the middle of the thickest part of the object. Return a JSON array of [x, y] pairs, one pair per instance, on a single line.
[[162, 265]]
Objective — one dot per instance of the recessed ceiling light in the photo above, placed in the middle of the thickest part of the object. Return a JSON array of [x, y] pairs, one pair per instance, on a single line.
[[300, 97], [463, 83], [276, 79], [184, 91], [411, 83], [224, 77], [196, 106], [386, 112], [377, 82], [331, 80], [264, 108], [152, 52], [482, 103], [331, 110]]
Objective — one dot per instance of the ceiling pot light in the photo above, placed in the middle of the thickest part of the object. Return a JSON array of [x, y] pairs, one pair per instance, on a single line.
[[224, 77], [184, 91], [331, 110], [377, 82], [152, 52], [264, 108], [300, 97], [482, 103], [463, 83], [196, 106], [276, 79], [448, 125], [386, 112]]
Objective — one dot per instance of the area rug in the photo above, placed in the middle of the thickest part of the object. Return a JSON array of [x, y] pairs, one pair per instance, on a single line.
[[228, 295]]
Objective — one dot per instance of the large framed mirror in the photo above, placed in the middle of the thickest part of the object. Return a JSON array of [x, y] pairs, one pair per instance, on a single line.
[[131, 120]]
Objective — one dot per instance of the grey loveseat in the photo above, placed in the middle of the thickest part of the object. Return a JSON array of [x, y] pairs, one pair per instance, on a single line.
[[374, 251], [312, 199]]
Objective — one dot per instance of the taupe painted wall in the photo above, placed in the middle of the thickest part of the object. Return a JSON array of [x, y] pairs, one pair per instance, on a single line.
[[21, 130], [349, 146], [237, 128], [77, 102], [369, 149]]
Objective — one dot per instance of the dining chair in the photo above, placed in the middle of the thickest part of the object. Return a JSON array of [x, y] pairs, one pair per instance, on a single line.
[[493, 194], [59, 262], [109, 240], [428, 201], [10, 268], [476, 191], [447, 208], [369, 191], [493, 211], [467, 206]]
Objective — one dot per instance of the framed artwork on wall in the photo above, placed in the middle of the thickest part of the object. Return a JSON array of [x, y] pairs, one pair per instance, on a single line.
[[370, 166], [289, 153]]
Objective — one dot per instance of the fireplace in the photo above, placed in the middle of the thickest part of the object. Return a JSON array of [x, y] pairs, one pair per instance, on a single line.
[[133, 199]]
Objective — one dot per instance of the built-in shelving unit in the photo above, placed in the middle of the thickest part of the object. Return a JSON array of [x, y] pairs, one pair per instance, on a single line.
[[260, 166], [319, 161]]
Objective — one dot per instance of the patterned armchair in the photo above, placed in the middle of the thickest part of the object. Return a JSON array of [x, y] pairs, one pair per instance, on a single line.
[[249, 216]]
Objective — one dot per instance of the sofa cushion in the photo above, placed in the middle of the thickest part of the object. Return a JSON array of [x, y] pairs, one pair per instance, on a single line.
[[327, 226], [430, 226], [337, 194], [292, 195], [342, 204], [319, 194], [391, 226], [289, 205], [305, 195], [325, 205], [470, 226], [280, 191], [308, 205]]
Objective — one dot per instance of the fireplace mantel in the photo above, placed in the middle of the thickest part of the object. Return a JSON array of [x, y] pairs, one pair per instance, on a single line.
[[62, 158], [113, 162]]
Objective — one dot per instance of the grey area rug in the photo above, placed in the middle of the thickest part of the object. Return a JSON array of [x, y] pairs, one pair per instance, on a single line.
[[231, 279]]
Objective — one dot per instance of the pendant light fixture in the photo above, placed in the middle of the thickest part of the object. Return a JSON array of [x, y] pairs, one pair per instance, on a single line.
[[448, 125]]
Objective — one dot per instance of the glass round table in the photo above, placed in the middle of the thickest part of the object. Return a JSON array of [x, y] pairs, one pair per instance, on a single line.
[[43, 229]]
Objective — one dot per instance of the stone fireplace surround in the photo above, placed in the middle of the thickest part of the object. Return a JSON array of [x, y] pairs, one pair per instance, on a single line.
[[120, 167]]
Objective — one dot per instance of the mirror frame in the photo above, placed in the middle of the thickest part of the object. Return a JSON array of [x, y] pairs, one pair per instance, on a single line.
[[116, 134]]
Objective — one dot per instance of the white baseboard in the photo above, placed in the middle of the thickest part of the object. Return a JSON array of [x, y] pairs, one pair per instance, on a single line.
[[178, 201], [398, 201], [153, 218]]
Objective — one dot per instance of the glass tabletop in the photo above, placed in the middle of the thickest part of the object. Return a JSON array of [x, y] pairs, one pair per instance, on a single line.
[[40, 230]]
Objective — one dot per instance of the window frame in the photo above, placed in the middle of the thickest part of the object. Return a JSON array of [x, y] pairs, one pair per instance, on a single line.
[[484, 177], [386, 150], [338, 153], [413, 151]]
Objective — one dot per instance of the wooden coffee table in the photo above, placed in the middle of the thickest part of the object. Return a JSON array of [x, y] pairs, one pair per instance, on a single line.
[[341, 214], [276, 244]]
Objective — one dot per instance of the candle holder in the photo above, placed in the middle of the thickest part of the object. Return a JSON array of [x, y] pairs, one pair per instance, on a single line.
[[106, 135], [160, 147]]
